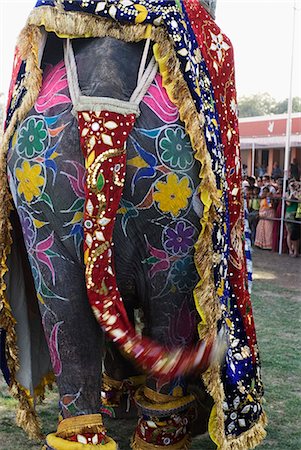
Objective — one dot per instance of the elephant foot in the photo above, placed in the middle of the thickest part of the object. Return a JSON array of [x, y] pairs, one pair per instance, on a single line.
[[84, 432], [164, 421], [117, 397]]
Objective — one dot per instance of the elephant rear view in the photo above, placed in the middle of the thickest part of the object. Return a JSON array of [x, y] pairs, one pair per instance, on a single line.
[[124, 169]]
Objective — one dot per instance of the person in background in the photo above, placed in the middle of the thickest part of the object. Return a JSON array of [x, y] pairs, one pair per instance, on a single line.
[[244, 171], [276, 172], [251, 181], [264, 230], [253, 208], [266, 179], [259, 170], [293, 229], [259, 183], [295, 171], [277, 201]]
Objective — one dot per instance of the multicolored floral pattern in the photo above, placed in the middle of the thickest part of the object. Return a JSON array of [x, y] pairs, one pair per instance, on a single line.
[[35, 170], [164, 177]]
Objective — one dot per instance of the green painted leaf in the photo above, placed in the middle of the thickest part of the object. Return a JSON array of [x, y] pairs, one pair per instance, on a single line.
[[100, 182], [45, 197], [78, 205]]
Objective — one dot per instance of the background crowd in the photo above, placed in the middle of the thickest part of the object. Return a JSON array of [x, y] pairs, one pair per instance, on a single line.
[[264, 194]]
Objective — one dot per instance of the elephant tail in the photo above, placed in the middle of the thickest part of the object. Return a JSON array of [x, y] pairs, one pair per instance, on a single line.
[[105, 159]]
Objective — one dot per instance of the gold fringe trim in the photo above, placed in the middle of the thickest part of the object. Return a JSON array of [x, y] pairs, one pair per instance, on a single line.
[[157, 396], [249, 439], [122, 387], [157, 404], [91, 423], [109, 383], [48, 381], [26, 416], [139, 444]]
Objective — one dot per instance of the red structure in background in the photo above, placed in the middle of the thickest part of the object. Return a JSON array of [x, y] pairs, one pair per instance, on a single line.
[[263, 139]]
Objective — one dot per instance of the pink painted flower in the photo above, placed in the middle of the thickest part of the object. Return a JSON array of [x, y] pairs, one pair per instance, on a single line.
[[54, 81], [158, 260], [182, 326], [54, 350], [44, 254]]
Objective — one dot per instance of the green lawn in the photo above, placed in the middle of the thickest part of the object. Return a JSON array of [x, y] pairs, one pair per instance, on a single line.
[[277, 317]]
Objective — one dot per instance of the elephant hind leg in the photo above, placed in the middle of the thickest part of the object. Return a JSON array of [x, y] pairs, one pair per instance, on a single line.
[[80, 432], [121, 377], [164, 420]]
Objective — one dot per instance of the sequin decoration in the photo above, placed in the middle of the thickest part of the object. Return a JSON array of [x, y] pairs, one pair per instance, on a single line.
[[103, 137]]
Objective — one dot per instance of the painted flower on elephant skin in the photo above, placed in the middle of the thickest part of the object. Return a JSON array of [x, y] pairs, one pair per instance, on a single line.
[[177, 152], [53, 346], [172, 196], [28, 228], [54, 82], [179, 238], [184, 274], [158, 101], [32, 138], [182, 325], [30, 180]]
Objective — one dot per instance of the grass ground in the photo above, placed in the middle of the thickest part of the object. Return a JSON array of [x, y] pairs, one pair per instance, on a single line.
[[277, 310]]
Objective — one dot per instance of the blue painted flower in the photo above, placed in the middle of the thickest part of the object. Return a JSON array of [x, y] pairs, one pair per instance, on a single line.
[[27, 227], [184, 274], [179, 238]]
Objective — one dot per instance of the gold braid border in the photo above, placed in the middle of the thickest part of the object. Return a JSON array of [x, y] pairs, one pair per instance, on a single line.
[[90, 423], [139, 444], [75, 25]]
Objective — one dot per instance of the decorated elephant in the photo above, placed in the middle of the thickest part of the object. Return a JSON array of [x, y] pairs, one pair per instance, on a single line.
[[123, 251]]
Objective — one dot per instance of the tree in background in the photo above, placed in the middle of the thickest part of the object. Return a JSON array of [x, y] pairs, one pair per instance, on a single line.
[[264, 104], [281, 107]]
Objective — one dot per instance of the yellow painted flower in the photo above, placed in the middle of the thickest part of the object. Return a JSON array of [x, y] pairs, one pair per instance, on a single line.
[[30, 180], [173, 195]]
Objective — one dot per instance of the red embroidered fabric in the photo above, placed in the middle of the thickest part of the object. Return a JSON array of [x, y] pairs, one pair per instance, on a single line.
[[217, 50], [15, 83], [103, 139]]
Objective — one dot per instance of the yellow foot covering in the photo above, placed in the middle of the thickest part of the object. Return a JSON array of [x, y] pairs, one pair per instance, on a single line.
[[56, 443], [90, 423]]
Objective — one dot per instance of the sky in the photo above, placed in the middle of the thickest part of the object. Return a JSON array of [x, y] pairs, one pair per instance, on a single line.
[[260, 30]]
